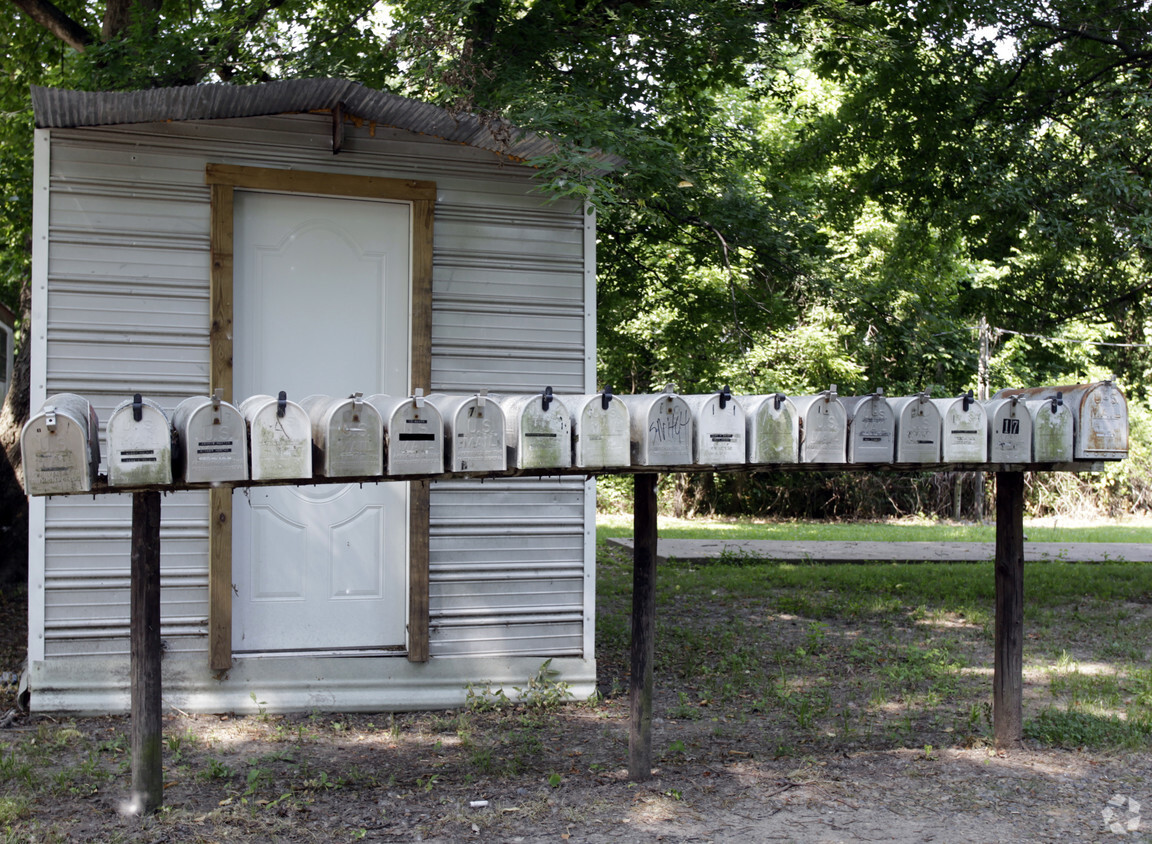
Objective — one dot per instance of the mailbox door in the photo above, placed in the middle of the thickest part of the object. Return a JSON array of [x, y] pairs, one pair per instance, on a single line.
[[320, 567], [544, 436], [415, 440], [871, 431], [139, 452], [719, 438], [56, 456], [661, 430], [918, 429], [600, 435], [773, 430], [1053, 432], [824, 435], [281, 446], [477, 436], [964, 431], [1009, 431], [1102, 430]]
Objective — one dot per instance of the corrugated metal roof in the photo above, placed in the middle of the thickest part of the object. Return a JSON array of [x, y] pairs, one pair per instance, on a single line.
[[60, 108]]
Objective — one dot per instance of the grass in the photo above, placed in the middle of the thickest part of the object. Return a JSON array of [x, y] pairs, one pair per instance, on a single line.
[[854, 655], [897, 530]]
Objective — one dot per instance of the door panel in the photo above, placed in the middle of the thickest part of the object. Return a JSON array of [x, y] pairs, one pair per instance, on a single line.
[[321, 296]]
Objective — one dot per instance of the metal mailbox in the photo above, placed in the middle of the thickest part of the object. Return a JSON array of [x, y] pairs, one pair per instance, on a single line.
[[1009, 430], [347, 436], [964, 429], [211, 441], [537, 431], [473, 432], [918, 427], [871, 428], [1053, 430], [660, 427], [719, 424], [771, 429], [823, 428], [139, 444], [279, 437], [60, 446], [1100, 417], [413, 434], [601, 433]]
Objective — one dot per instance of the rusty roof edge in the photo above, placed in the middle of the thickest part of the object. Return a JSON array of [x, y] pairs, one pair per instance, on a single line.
[[58, 108]]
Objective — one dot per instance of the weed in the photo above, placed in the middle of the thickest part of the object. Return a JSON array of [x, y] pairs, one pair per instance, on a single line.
[[215, 770]]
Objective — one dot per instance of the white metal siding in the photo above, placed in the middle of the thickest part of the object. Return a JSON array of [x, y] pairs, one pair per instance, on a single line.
[[127, 298]]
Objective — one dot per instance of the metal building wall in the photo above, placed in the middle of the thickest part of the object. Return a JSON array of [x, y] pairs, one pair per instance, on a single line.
[[127, 311]]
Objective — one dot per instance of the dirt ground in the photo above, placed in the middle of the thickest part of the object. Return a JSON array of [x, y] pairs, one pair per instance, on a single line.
[[549, 773]]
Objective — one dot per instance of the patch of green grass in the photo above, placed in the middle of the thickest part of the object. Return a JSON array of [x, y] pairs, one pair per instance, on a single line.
[[612, 526], [1073, 728]]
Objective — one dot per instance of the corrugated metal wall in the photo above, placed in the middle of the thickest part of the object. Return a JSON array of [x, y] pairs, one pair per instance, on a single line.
[[128, 311]]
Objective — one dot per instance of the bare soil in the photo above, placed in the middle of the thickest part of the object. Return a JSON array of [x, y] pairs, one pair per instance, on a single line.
[[857, 768]]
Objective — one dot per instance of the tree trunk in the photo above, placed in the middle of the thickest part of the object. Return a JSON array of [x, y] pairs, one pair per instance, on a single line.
[[13, 503]]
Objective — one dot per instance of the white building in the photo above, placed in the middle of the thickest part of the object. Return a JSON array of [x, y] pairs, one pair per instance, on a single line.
[[313, 236]]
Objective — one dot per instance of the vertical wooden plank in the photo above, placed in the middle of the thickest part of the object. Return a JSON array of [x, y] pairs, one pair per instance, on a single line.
[[419, 492], [147, 774], [642, 680], [220, 376], [1008, 676]]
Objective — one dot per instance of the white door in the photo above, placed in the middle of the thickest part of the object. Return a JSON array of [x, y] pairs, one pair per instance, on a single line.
[[321, 290]]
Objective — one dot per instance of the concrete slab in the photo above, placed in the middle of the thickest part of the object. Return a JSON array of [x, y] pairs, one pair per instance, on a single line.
[[699, 550]]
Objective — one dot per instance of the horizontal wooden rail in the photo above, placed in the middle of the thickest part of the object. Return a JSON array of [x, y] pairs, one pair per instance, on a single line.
[[102, 487]]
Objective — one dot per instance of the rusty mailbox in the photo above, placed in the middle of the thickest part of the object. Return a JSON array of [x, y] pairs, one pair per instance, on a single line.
[[347, 436], [1009, 430], [279, 437], [918, 429], [871, 428], [719, 428], [772, 429], [537, 431], [211, 440], [413, 434], [823, 428], [473, 432], [660, 427], [139, 444], [60, 446], [601, 432]]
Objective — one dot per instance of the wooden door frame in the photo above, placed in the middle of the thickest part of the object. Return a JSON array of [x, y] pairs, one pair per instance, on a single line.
[[223, 179]]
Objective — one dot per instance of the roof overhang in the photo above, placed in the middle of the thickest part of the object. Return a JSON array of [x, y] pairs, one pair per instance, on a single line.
[[59, 108]]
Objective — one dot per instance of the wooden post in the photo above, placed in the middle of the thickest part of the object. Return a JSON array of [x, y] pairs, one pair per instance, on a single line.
[[147, 739], [1008, 677], [644, 535]]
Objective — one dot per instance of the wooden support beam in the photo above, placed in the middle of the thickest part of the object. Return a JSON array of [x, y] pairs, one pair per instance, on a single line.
[[644, 534], [147, 738], [1008, 676]]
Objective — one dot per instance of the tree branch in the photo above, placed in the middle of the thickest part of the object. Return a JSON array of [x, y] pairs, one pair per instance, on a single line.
[[55, 21]]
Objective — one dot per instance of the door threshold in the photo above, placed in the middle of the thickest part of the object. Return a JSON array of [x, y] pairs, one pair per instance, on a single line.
[[393, 651]]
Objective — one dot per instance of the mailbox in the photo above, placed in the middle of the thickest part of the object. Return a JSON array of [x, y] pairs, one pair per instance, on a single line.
[[473, 432], [347, 436], [871, 428], [413, 434], [772, 429], [823, 428], [1053, 430], [61, 446], [537, 431], [601, 433], [964, 429], [211, 442], [661, 429], [918, 429], [1099, 415], [1009, 430], [718, 429], [279, 437], [139, 444]]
